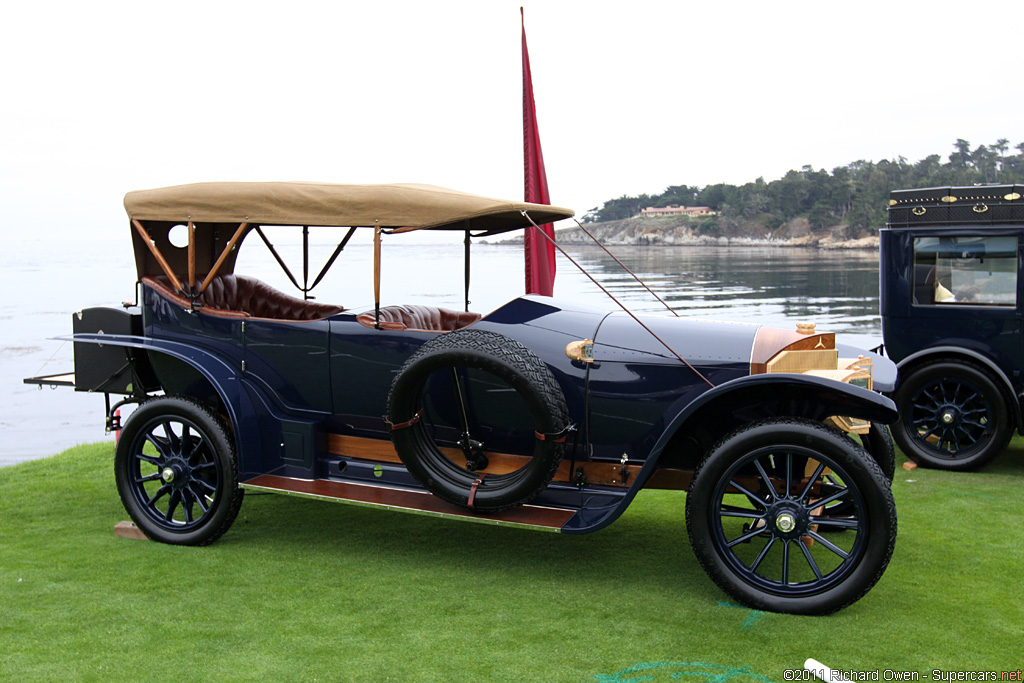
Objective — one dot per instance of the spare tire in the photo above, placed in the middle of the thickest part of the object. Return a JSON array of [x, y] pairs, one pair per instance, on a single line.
[[517, 368]]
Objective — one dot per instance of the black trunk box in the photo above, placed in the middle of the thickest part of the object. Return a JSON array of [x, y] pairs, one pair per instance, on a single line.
[[101, 367], [976, 204]]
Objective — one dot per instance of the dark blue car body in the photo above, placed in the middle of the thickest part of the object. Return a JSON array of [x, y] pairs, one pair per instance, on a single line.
[[230, 400]]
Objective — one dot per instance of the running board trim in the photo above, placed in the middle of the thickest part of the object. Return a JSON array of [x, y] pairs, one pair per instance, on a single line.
[[416, 502]]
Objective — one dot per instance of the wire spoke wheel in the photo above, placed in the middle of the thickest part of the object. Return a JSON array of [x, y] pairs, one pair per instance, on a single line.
[[952, 416], [780, 548], [760, 508], [176, 473]]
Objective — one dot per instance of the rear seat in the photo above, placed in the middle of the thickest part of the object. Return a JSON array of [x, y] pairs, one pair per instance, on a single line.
[[420, 318], [240, 296]]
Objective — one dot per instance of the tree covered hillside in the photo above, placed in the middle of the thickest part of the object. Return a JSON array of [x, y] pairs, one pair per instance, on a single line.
[[849, 202]]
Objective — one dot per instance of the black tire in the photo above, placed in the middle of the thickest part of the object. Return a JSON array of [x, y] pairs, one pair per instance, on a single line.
[[878, 443], [176, 471], [952, 416], [760, 497], [518, 368]]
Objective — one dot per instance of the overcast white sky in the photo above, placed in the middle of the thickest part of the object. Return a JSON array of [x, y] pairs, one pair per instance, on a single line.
[[99, 98]]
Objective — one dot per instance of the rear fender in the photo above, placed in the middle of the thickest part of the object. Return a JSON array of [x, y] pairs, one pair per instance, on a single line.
[[222, 377]]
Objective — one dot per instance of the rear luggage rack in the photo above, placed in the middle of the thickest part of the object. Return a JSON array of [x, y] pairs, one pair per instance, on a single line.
[[61, 379]]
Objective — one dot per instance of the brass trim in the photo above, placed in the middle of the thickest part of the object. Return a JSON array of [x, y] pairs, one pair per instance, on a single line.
[[949, 199], [1012, 197], [980, 208], [850, 424], [582, 351], [893, 202], [919, 211]]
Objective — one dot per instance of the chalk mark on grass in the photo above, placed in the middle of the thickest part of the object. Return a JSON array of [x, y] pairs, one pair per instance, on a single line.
[[714, 673], [966, 493], [752, 618]]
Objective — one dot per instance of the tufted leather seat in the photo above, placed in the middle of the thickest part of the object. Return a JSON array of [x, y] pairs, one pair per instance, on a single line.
[[421, 318], [243, 296]]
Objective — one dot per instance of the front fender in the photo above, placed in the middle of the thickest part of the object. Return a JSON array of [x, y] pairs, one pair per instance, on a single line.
[[963, 352], [960, 352], [786, 395], [756, 397]]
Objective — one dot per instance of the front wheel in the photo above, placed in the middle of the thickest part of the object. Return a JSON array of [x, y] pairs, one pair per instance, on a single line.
[[176, 471], [952, 416], [758, 505]]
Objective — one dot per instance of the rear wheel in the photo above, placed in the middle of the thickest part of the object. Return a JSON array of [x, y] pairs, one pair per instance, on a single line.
[[760, 501], [176, 471], [952, 416]]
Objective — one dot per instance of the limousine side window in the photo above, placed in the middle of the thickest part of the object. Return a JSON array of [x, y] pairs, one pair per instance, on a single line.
[[969, 271]]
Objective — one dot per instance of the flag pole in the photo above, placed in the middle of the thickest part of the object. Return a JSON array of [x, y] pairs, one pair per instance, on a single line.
[[539, 253]]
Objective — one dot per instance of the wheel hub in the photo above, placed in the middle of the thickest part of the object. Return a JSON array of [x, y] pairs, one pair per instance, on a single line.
[[949, 415], [785, 522], [176, 473]]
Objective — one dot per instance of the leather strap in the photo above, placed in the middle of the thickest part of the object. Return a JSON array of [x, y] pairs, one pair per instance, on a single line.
[[408, 423], [472, 489], [557, 437]]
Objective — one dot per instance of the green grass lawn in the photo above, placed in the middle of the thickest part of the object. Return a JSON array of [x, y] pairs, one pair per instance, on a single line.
[[307, 590]]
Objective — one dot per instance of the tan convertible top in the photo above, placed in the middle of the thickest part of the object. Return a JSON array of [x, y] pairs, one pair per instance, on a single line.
[[301, 203]]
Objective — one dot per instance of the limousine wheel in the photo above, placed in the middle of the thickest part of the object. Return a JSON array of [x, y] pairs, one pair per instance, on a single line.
[[176, 471], [517, 389], [758, 506], [952, 416]]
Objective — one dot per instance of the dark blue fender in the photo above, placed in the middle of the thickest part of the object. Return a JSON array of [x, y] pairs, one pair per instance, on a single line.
[[781, 395], [964, 351], [219, 373]]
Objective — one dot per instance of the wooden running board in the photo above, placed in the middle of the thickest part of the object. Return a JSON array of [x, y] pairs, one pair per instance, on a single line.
[[418, 502]]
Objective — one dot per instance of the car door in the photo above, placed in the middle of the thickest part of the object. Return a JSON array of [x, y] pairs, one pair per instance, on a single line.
[[290, 360], [967, 293]]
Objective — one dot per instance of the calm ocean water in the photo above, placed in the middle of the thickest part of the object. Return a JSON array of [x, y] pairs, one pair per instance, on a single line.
[[44, 285]]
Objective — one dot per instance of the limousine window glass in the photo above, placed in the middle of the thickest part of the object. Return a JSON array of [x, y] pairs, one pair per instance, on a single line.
[[979, 271]]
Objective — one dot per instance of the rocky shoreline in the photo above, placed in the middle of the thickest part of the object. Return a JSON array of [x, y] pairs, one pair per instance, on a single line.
[[661, 233], [576, 236]]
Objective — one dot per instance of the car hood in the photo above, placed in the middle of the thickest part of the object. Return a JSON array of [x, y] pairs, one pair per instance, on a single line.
[[620, 338], [743, 348]]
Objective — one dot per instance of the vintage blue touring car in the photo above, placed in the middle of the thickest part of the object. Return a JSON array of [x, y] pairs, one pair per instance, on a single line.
[[542, 414]]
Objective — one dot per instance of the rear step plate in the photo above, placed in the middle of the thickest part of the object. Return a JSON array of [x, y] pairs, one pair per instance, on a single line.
[[417, 502]]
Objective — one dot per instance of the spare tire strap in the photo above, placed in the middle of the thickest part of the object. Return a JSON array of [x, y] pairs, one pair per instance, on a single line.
[[557, 437], [408, 423], [472, 491]]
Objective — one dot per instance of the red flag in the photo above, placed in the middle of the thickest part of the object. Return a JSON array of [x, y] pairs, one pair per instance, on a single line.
[[540, 253]]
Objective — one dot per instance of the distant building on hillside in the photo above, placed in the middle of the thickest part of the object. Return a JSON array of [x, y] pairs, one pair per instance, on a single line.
[[677, 211]]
